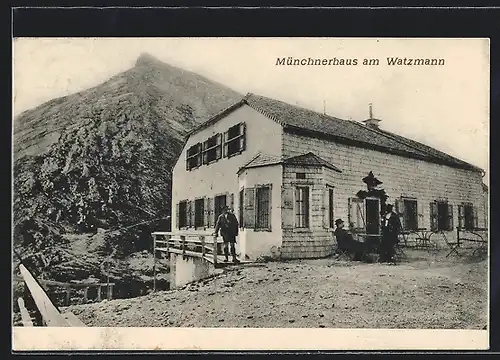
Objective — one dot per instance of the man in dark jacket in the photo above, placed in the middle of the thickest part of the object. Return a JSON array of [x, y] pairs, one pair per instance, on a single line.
[[228, 226], [390, 234], [346, 242]]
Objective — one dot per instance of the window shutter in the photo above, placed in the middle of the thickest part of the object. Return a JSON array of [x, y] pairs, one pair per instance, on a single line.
[[270, 209], [230, 200], [434, 213], [188, 212], [191, 213], [204, 153], [177, 216], [206, 212], [241, 196], [200, 154], [461, 216], [400, 209], [420, 214], [287, 215], [211, 204], [243, 136], [225, 144], [356, 213], [218, 149], [249, 208], [450, 217], [325, 208], [474, 209]]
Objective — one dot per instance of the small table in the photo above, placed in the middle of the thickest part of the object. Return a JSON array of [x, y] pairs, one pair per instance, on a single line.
[[422, 238], [371, 240]]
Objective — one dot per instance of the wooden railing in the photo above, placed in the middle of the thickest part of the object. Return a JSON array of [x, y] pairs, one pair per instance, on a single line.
[[86, 286], [49, 312], [193, 244]]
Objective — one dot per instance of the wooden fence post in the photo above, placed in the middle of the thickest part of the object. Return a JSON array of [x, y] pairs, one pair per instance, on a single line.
[[99, 293], [183, 238], [25, 316], [154, 262], [202, 238], [216, 251]]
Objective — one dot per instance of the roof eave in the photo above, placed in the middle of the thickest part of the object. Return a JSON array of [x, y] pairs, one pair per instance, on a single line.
[[216, 118], [241, 169], [318, 134]]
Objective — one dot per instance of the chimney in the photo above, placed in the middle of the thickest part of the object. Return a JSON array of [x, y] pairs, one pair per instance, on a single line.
[[371, 121]]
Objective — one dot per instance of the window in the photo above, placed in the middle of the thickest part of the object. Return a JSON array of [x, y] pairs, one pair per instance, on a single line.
[[241, 207], [220, 202], [410, 214], [467, 216], [182, 214], [194, 157], [234, 140], [300, 175], [263, 202], [212, 149], [441, 216], [199, 213], [302, 207], [331, 218]]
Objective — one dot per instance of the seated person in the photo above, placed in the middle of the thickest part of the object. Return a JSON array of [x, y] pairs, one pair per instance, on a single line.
[[346, 243]]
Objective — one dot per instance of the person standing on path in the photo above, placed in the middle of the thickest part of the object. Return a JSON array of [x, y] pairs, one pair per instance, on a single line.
[[390, 233], [228, 226]]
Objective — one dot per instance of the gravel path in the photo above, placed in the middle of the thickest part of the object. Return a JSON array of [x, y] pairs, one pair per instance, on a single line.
[[426, 292]]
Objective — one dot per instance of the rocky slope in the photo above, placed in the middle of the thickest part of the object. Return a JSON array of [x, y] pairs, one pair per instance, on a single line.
[[100, 160]]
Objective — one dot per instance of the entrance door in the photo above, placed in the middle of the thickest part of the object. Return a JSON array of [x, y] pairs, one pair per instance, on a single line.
[[220, 202], [372, 216]]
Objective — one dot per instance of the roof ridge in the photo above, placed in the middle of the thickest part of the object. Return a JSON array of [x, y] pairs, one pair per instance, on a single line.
[[390, 137], [397, 138]]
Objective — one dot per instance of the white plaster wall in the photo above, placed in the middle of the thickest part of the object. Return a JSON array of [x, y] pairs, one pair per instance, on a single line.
[[256, 243], [262, 135]]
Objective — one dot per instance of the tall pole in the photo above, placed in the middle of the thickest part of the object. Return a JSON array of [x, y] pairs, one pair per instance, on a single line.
[[154, 262]]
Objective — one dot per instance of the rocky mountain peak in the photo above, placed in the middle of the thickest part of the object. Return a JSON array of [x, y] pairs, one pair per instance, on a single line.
[[146, 59]]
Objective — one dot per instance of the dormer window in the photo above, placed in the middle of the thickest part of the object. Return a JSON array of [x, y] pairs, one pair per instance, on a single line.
[[194, 156], [234, 140]]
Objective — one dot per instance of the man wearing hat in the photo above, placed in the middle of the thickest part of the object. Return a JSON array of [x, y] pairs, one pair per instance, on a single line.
[[390, 232], [228, 226], [345, 241]]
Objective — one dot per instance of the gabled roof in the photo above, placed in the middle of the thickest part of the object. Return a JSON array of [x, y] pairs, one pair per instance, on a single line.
[[309, 159], [261, 160], [311, 123]]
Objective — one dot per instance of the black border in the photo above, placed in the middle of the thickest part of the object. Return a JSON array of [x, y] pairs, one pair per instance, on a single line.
[[284, 22]]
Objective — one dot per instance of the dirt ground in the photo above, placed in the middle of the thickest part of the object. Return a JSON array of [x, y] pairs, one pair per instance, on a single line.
[[424, 291]]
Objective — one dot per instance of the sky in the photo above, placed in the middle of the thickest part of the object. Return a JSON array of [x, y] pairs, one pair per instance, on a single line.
[[446, 106]]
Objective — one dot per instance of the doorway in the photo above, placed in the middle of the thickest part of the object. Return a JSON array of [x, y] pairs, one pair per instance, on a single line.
[[372, 207]]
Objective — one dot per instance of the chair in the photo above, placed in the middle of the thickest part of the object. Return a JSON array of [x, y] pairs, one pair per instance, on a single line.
[[399, 253], [453, 246], [342, 254]]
